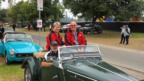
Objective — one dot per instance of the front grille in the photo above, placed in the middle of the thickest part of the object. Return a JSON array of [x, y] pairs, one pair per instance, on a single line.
[[20, 55]]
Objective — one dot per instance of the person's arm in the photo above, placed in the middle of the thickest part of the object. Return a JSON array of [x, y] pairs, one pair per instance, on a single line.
[[39, 55], [83, 39], [47, 43], [68, 39], [46, 56], [46, 64]]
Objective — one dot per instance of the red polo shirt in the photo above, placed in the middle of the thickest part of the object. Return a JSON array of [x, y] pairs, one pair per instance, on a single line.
[[70, 38]]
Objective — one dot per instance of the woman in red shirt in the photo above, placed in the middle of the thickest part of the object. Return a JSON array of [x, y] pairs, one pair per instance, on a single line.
[[54, 35], [74, 37]]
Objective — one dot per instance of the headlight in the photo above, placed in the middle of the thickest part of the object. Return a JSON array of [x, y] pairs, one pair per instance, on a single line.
[[12, 51], [41, 49]]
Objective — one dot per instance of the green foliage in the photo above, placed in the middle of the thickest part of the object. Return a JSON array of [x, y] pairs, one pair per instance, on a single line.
[[52, 10], [27, 12], [22, 12], [3, 15], [121, 9]]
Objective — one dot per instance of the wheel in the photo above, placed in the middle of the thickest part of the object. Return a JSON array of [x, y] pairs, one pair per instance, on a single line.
[[27, 74], [6, 60]]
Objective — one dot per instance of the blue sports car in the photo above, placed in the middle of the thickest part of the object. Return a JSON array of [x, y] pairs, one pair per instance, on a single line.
[[15, 46]]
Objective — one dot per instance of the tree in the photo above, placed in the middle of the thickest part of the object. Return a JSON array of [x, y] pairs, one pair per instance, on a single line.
[[52, 9], [24, 11], [3, 15], [20, 12], [121, 9]]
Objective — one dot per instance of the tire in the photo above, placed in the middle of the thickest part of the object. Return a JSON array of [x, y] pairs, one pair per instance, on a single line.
[[27, 74], [6, 60]]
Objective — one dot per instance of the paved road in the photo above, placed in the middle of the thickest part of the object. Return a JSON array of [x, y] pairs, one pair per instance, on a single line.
[[131, 61], [124, 57]]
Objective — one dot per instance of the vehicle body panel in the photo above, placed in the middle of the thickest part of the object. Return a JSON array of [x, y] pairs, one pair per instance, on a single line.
[[20, 49], [101, 71], [1, 48], [50, 74], [79, 66], [92, 28]]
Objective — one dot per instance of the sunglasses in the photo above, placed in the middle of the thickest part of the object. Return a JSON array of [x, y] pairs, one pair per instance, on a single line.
[[72, 25]]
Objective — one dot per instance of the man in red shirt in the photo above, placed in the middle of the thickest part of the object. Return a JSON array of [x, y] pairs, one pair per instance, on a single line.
[[73, 36]]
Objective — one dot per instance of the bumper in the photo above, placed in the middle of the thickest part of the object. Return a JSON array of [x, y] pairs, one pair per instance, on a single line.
[[18, 57]]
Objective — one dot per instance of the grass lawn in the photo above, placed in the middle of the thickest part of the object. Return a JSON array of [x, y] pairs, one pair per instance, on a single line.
[[10, 72], [113, 38], [114, 34]]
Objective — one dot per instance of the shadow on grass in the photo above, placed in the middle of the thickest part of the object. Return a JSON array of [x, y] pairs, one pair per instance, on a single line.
[[2, 62]]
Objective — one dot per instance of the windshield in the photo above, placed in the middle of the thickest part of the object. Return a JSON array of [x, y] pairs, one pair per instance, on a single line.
[[18, 37], [71, 52]]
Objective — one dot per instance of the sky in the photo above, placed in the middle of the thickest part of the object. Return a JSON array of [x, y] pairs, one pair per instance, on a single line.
[[5, 4]]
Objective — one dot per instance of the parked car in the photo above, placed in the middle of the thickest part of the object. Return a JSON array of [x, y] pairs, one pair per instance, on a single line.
[[87, 28], [15, 46], [74, 63], [65, 27], [91, 28]]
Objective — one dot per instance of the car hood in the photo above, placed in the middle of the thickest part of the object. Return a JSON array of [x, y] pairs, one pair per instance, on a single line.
[[22, 47], [99, 72]]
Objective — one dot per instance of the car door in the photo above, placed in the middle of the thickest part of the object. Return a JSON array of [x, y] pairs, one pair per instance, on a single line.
[[70, 76], [53, 73], [73, 76]]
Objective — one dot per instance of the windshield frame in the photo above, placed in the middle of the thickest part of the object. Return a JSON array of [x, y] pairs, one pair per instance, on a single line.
[[6, 37], [96, 46]]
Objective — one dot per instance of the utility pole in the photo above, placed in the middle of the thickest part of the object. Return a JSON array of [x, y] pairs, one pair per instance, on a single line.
[[39, 8], [39, 21]]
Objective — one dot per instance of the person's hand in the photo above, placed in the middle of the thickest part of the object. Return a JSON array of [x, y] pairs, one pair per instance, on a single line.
[[46, 64], [39, 55]]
